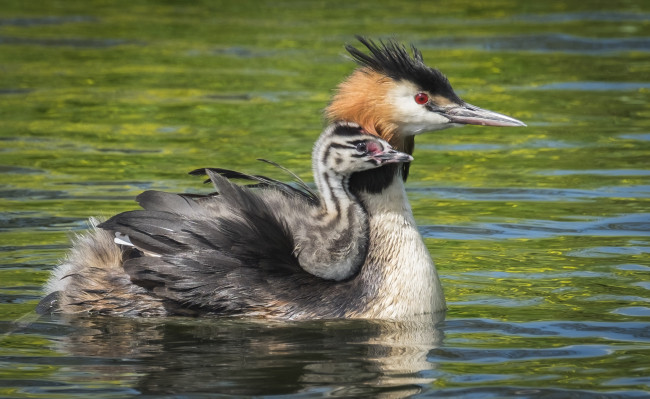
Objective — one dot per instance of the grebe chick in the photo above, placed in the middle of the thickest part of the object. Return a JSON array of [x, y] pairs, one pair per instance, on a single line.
[[269, 252]]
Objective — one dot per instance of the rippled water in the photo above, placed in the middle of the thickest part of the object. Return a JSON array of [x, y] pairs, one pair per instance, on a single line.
[[541, 235]]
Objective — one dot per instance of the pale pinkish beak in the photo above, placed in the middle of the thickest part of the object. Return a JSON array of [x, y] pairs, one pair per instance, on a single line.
[[468, 114]]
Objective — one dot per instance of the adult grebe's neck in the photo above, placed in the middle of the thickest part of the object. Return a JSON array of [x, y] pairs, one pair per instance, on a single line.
[[398, 267]]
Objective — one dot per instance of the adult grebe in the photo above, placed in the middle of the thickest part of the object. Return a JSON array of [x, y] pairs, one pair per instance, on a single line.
[[392, 95], [273, 251]]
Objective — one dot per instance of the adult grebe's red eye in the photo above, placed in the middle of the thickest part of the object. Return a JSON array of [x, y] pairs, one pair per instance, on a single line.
[[421, 98]]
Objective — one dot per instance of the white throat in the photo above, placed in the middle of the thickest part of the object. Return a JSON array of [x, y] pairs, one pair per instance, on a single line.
[[408, 284]]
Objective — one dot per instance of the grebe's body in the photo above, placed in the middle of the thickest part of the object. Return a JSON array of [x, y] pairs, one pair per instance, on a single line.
[[240, 252], [358, 254]]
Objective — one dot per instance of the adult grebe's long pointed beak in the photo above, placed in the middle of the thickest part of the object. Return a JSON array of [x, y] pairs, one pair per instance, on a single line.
[[392, 156], [468, 114]]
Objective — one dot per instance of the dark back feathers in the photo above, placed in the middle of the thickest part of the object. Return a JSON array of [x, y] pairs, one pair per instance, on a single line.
[[264, 182], [224, 262]]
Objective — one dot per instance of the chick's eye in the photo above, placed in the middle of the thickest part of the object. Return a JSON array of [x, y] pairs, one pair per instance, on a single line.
[[421, 98], [361, 147], [373, 147]]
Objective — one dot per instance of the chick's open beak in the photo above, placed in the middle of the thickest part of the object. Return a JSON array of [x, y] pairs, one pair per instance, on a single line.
[[392, 156]]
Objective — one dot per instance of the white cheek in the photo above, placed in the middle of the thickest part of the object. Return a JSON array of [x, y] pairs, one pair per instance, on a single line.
[[414, 118]]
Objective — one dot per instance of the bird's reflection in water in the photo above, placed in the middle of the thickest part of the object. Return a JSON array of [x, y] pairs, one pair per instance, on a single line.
[[252, 357]]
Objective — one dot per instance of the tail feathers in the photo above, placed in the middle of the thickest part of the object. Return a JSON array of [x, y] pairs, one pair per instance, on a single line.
[[91, 279]]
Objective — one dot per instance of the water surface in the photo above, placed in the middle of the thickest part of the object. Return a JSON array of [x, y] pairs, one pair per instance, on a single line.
[[541, 235]]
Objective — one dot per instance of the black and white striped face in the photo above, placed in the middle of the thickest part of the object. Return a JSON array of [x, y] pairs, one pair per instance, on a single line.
[[345, 148]]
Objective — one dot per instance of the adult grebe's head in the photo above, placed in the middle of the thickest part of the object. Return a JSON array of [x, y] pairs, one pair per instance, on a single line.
[[395, 96]]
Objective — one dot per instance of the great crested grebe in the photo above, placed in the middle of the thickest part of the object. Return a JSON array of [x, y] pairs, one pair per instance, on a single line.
[[271, 250], [178, 265]]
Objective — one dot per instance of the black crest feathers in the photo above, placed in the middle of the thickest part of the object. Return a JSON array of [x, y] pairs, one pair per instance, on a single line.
[[393, 59]]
